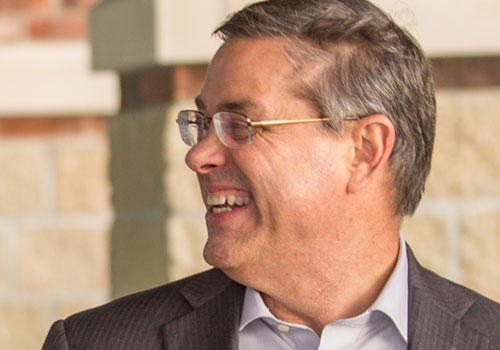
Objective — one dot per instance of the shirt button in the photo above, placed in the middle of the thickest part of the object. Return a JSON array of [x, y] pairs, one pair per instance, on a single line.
[[283, 328]]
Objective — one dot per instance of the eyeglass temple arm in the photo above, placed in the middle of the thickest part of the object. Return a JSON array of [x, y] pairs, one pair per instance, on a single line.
[[295, 121]]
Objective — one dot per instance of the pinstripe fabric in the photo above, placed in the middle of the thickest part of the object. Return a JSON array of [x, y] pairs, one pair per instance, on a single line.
[[203, 312], [200, 312], [444, 315]]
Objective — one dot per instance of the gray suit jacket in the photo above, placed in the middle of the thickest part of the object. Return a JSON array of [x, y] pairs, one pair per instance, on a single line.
[[203, 312]]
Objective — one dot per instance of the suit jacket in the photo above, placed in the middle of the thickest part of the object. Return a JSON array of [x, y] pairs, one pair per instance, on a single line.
[[203, 312]]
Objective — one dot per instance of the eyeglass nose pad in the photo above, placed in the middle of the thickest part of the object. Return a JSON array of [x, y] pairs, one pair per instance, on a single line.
[[206, 135]]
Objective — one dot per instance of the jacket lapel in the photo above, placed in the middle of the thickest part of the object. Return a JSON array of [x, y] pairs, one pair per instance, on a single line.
[[436, 308], [214, 320]]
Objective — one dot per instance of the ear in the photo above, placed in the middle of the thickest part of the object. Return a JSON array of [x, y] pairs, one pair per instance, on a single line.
[[373, 140]]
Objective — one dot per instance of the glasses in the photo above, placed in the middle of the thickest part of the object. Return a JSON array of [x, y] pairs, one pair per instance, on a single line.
[[234, 130]]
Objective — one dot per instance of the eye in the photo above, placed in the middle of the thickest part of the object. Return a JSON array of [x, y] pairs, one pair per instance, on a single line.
[[239, 129]]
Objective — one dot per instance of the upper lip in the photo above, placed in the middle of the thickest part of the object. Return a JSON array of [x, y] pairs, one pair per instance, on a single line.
[[220, 187]]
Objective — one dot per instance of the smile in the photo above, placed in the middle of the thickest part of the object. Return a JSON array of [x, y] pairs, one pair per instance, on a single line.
[[221, 203]]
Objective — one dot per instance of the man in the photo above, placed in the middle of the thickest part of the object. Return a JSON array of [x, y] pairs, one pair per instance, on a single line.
[[312, 140]]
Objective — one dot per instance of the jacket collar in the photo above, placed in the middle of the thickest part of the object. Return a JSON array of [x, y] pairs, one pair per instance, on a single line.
[[436, 308], [213, 322]]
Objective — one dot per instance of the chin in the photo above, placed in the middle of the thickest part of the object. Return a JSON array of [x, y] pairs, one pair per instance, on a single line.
[[217, 256]]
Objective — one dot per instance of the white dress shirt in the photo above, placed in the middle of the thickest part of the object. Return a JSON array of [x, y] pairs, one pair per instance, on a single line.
[[383, 326]]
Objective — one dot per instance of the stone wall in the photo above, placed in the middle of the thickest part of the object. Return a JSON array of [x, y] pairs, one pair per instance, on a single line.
[[55, 207], [456, 229], [54, 224]]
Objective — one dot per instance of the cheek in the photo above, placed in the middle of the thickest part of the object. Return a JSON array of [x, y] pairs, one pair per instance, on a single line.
[[287, 179], [314, 175], [294, 180]]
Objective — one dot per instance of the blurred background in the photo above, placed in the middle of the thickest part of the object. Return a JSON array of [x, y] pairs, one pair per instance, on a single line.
[[95, 200]]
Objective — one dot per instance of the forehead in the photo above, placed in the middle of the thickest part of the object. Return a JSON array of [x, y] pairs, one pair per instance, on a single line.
[[248, 72]]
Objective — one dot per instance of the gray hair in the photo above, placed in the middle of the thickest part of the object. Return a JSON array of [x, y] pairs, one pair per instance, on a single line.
[[369, 65]]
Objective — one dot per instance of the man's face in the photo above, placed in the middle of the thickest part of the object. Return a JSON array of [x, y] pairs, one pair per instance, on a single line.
[[282, 191]]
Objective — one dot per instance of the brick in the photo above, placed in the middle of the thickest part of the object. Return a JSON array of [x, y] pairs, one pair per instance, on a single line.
[[71, 25], [188, 81], [23, 327], [480, 252], [81, 168], [186, 239], [160, 85], [426, 235], [80, 3], [24, 4], [21, 176], [466, 71], [466, 143], [61, 260], [48, 126]]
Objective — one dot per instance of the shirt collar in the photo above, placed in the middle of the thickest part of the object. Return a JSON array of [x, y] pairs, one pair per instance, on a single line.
[[253, 308], [392, 301]]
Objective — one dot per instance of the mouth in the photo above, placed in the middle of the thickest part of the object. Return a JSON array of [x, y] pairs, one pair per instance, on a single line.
[[220, 203]]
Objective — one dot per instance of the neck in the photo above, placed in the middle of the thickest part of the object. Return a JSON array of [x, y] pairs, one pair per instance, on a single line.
[[331, 287]]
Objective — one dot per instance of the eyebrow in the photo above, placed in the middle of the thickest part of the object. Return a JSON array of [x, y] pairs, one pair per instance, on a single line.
[[199, 103], [243, 105]]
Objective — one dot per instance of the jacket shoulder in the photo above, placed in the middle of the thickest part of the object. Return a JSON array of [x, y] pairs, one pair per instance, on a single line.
[[136, 319], [472, 309]]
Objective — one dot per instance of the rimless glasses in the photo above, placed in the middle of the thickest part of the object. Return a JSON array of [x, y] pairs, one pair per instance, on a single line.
[[235, 130]]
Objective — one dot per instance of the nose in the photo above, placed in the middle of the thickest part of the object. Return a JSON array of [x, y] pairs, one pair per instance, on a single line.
[[207, 154]]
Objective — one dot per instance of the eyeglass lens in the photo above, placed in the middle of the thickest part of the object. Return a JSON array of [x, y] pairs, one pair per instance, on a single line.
[[191, 126], [231, 128]]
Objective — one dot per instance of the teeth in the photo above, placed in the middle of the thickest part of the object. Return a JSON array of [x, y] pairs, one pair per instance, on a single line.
[[217, 210], [213, 200], [231, 200]]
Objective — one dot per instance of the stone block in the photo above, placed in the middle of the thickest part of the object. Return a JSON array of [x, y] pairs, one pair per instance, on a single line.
[[137, 161], [3, 267], [59, 84], [127, 34], [23, 327], [59, 260], [12, 26], [426, 235], [81, 167], [21, 177], [466, 163], [138, 252], [186, 239], [480, 252]]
